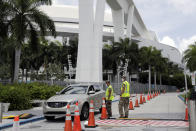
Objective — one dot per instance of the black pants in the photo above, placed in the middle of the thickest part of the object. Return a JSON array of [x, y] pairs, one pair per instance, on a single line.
[[109, 107]]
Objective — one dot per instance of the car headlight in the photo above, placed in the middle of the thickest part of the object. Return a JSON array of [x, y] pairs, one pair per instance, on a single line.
[[73, 102]]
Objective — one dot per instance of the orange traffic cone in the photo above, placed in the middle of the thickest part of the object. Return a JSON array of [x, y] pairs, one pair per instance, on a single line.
[[104, 111], [16, 126], [148, 97], [186, 111], [144, 99], [77, 125], [131, 105], [68, 122], [91, 119], [136, 102], [141, 99]]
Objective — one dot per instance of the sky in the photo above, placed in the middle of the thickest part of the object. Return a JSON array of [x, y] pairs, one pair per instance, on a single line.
[[174, 21]]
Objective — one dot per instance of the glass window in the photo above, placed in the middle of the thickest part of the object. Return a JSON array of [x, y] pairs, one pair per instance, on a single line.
[[74, 90]]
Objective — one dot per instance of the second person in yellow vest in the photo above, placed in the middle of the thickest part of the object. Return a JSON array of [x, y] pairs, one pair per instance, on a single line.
[[109, 97], [124, 99]]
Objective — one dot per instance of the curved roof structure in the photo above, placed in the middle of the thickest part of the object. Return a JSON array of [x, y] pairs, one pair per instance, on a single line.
[[67, 24]]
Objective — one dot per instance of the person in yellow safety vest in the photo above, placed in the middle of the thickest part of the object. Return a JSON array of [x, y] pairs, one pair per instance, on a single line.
[[124, 99], [109, 97]]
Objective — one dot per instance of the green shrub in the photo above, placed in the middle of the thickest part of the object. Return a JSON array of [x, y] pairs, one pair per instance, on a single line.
[[19, 98], [20, 95], [42, 91]]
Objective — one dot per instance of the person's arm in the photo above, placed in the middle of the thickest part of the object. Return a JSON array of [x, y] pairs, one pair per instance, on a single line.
[[123, 90], [110, 91]]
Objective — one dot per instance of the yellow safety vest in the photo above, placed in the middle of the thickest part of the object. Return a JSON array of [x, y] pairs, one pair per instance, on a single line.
[[126, 92], [107, 93]]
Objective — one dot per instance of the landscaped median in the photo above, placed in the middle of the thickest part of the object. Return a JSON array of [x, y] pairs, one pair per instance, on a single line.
[[20, 96]]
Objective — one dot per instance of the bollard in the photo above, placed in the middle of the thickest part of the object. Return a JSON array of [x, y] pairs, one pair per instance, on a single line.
[[192, 112], [1, 112]]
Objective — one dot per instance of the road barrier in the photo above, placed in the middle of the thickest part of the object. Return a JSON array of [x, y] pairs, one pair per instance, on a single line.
[[77, 124], [16, 126], [131, 105], [192, 112], [68, 122], [91, 119], [136, 102], [103, 111], [141, 99]]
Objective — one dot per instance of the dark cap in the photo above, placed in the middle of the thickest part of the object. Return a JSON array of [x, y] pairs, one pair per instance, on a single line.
[[124, 77], [107, 81]]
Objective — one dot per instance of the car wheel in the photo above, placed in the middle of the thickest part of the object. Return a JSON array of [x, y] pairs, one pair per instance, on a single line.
[[85, 112], [100, 110], [49, 118]]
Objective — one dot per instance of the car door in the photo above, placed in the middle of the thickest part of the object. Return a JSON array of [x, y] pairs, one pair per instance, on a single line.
[[92, 96], [99, 95]]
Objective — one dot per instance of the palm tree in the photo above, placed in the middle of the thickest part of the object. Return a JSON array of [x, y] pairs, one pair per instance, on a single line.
[[147, 60], [190, 57], [162, 68], [24, 20], [156, 63]]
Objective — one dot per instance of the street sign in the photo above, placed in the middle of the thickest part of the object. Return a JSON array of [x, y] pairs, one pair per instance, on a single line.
[[193, 78]]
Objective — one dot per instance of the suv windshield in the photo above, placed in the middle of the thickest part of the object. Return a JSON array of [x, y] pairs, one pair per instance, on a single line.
[[74, 90]]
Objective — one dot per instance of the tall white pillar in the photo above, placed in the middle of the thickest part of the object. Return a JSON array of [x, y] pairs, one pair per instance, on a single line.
[[130, 21], [89, 60], [118, 22], [85, 45], [98, 40]]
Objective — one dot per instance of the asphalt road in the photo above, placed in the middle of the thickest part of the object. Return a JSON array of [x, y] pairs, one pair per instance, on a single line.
[[168, 108]]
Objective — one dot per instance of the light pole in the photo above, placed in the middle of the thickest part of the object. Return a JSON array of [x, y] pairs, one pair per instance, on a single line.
[[186, 87]]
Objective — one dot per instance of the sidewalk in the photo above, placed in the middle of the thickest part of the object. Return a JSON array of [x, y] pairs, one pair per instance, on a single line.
[[166, 106], [162, 113]]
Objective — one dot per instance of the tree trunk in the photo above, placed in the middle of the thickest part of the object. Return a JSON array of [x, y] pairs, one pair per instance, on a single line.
[[155, 80], [37, 74], [22, 75], [160, 79], [12, 66], [26, 75], [17, 63], [149, 78]]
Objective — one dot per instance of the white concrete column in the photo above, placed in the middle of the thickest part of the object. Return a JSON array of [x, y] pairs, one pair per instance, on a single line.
[[130, 21], [98, 41], [86, 35], [118, 22], [89, 61]]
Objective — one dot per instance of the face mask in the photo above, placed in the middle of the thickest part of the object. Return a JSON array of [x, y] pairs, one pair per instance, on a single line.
[[122, 79]]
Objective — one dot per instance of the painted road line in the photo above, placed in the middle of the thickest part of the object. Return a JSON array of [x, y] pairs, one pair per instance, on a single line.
[[181, 98], [153, 123]]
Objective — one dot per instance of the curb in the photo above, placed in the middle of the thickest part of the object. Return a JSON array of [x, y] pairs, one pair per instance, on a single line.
[[22, 122], [181, 98]]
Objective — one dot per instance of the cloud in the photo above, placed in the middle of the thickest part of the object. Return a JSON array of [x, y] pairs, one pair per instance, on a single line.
[[168, 41], [184, 43], [184, 6]]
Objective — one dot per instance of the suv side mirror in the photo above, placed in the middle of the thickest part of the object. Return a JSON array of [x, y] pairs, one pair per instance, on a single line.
[[91, 92]]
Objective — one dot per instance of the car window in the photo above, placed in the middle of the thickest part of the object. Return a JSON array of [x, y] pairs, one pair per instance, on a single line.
[[74, 90], [97, 88]]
